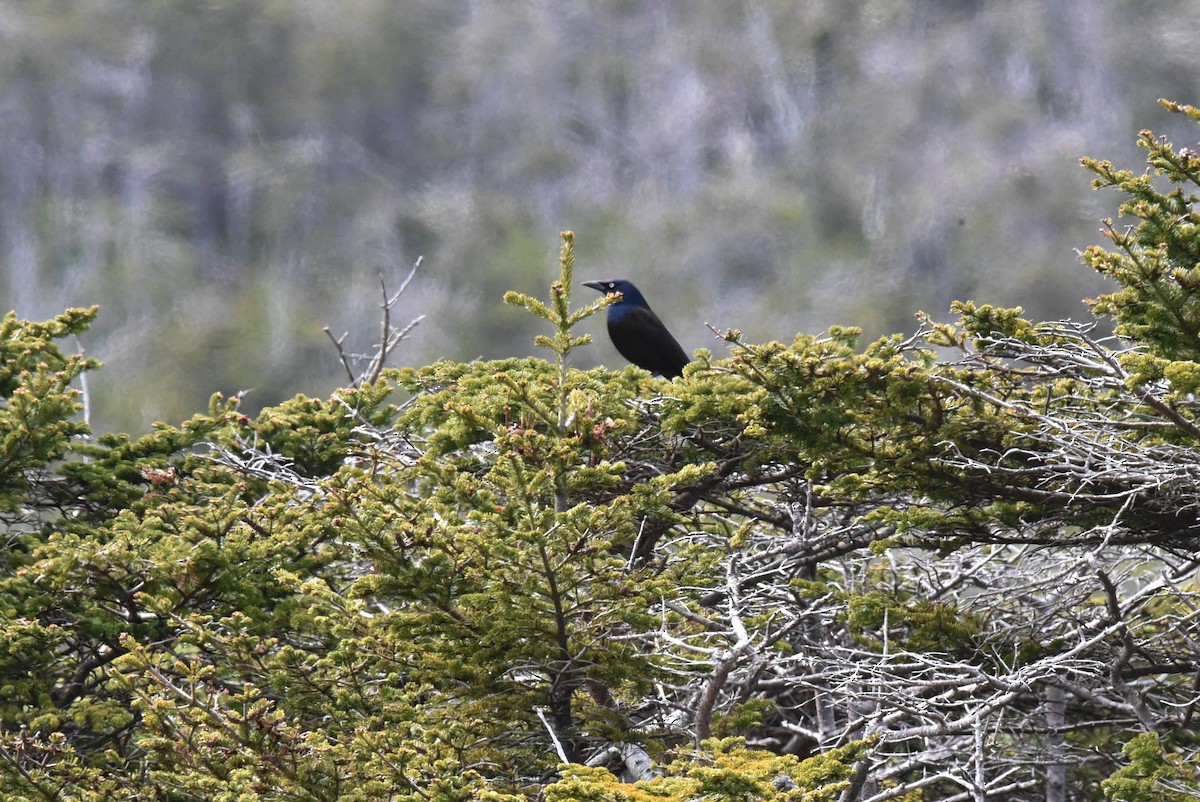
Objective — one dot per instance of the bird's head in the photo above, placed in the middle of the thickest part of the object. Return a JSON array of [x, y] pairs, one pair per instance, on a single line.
[[629, 293]]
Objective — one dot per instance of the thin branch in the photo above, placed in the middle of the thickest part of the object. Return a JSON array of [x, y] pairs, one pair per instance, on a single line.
[[389, 335]]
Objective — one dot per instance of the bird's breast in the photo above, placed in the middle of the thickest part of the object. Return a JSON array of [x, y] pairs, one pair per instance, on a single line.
[[618, 312]]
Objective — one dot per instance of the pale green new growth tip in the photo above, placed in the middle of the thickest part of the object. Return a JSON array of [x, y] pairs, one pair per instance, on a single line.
[[559, 313]]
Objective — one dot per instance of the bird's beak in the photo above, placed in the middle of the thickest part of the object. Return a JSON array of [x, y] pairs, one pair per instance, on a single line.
[[595, 285]]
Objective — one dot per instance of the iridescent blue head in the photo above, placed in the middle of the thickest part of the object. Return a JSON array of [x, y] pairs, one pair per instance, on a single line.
[[630, 295]]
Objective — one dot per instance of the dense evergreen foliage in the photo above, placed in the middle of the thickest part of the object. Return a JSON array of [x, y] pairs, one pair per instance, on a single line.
[[955, 565]]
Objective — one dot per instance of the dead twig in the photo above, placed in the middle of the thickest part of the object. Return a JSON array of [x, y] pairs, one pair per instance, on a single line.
[[389, 336]]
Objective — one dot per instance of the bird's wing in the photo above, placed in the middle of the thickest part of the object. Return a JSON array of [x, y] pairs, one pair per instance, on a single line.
[[642, 338]]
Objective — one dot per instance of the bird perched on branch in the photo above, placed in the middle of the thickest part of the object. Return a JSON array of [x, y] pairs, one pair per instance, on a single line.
[[638, 333]]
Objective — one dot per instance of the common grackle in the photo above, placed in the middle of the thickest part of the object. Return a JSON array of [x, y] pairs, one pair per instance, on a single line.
[[638, 333]]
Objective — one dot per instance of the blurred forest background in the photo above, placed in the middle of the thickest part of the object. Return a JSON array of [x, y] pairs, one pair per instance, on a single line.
[[226, 177]]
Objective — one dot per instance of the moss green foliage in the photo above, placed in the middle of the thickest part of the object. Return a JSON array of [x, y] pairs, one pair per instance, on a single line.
[[399, 601], [1155, 261], [870, 571], [723, 770], [1153, 775], [36, 421]]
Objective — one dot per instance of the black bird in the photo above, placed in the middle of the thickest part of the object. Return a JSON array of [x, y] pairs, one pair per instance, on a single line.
[[638, 333]]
